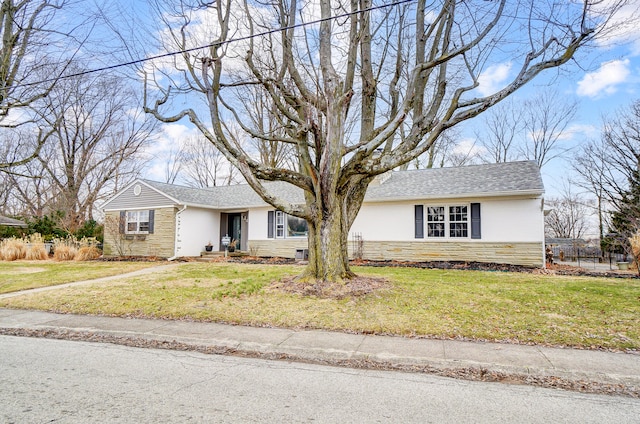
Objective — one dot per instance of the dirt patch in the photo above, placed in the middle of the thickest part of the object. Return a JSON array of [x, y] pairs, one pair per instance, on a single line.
[[354, 287]]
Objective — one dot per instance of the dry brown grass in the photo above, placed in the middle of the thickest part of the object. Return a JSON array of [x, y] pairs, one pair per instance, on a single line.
[[36, 252], [88, 253], [13, 249], [64, 252]]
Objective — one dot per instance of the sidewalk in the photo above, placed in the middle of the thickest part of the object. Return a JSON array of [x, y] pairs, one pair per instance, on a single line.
[[556, 367]]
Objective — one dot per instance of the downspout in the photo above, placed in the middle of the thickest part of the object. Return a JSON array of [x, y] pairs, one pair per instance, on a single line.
[[175, 242]]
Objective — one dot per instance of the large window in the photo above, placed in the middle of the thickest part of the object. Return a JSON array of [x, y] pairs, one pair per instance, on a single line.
[[137, 222], [287, 226], [448, 221]]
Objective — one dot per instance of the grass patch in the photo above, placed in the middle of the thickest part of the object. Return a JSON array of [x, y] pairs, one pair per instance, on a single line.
[[524, 308], [24, 275]]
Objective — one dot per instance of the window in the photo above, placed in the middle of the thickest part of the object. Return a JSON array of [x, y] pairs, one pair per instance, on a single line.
[[286, 226], [138, 222], [297, 227], [453, 221], [458, 221], [435, 221], [280, 224]]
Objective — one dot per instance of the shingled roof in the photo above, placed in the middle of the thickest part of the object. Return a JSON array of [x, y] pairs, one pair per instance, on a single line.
[[498, 179], [10, 222]]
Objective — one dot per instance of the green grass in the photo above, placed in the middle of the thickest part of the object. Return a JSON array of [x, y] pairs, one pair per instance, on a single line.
[[23, 275], [524, 308]]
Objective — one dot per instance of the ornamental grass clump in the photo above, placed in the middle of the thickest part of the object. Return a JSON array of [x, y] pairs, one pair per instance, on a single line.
[[65, 249], [36, 250], [88, 253], [634, 241], [13, 249]]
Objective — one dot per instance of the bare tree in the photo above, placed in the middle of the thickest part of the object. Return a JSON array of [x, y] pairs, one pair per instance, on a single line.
[[203, 165], [343, 86], [33, 44], [568, 216], [96, 136], [609, 167], [591, 170], [503, 127], [546, 117]]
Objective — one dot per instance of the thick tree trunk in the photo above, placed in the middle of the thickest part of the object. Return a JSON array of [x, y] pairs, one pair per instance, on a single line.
[[328, 255]]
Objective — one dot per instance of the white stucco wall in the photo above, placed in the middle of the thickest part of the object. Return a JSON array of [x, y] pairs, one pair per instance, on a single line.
[[258, 221], [502, 220], [195, 228]]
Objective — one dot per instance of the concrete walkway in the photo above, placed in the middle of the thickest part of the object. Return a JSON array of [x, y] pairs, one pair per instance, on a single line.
[[576, 369], [136, 273]]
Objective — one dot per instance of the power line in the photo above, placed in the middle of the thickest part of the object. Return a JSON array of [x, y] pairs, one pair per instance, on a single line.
[[216, 44]]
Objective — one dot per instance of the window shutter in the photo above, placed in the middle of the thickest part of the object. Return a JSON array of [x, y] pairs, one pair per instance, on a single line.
[[475, 221], [270, 223], [151, 219], [123, 221], [419, 221]]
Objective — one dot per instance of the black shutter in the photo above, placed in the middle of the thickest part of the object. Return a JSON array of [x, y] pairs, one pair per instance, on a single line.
[[151, 220], [122, 222], [475, 221], [419, 221], [270, 223]]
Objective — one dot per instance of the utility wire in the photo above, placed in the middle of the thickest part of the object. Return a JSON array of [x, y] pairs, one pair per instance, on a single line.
[[216, 44]]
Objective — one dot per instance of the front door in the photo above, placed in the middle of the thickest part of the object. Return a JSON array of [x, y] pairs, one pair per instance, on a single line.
[[234, 224]]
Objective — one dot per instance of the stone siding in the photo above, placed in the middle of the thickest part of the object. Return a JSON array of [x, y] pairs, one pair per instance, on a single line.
[[282, 248], [160, 243], [527, 254]]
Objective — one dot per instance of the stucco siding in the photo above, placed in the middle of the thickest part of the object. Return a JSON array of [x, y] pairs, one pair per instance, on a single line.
[[196, 228], [161, 243]]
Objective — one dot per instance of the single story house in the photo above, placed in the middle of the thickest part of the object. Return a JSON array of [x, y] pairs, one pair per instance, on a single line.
[[485, 213]]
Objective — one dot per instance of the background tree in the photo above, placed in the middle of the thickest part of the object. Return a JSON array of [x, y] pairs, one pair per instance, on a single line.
[[545, 119], [344, 85], [503, 129], [34, 43], [609, 167], [96, 139], [568, 216], [204, 166], [530, 129]]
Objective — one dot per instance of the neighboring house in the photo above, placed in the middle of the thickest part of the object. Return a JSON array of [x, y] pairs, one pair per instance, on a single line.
[[10, 222], [484, 213]]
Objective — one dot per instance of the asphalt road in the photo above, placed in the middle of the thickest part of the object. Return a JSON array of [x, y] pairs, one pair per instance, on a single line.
[[55, 381]]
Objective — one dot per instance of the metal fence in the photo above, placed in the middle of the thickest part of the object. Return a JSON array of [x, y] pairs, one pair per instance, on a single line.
[[586, 255]]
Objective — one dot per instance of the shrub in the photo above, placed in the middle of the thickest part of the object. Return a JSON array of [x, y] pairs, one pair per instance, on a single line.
[[13, 249]]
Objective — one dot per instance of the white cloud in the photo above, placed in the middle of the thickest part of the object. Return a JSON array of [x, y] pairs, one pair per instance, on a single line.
[[468, 147], [605, 80], [492, 78]]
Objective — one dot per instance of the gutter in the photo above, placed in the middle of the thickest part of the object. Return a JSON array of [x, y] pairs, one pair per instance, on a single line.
[[175, 242]]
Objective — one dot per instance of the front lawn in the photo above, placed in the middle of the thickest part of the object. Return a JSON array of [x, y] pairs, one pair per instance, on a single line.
[[501, 306], [23, 275]]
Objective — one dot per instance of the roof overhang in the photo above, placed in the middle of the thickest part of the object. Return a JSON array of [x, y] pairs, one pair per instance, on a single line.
[[10, 222]]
